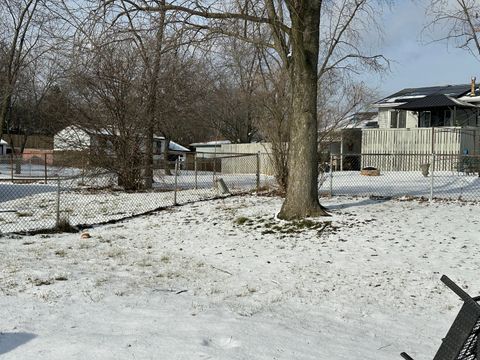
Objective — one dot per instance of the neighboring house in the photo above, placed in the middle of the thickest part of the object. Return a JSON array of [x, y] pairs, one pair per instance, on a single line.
[[436, 106], [75, 139], [206, 154], [210, 148], [346, 139], [419, 121]]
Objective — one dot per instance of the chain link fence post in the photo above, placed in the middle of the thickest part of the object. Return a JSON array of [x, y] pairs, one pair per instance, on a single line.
[[11, 165], [176, 182], [214, 168], [57, 220], [331, 176], [258, 171], [195, 166], [432, 176], [45, 167]]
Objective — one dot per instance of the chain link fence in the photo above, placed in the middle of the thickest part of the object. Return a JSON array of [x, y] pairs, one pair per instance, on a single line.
[[44, 192], [402, 175]]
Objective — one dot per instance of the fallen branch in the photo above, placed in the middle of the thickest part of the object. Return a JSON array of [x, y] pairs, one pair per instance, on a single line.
[[224, 271]]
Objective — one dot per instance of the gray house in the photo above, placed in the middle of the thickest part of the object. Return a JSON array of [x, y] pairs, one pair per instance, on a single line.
[[420, 121]]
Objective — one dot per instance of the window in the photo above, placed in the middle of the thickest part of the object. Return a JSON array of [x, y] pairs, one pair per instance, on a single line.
[[393, 119], [398, 119], [402, 122], [425, 118], [448, 121]]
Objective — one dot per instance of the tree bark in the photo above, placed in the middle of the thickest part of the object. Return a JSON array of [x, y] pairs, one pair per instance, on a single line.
[[165, 158], [4, 110], [152, 101], [302, 191]]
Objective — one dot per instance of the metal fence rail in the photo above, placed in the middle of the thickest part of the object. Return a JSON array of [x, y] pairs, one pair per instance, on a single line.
[[42, 195]]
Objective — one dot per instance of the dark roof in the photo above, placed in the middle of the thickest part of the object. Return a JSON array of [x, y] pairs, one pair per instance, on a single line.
[[449, 90], [433, 101]]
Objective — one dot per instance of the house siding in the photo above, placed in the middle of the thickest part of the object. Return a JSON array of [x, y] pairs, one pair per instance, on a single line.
[[384, 118], [412, 120]]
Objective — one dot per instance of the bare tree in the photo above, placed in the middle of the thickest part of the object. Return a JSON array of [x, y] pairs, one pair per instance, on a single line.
[[236, 79], [107, 92], [339, 98], [456, 22], [27, 115], [275, 99], [294, 27]]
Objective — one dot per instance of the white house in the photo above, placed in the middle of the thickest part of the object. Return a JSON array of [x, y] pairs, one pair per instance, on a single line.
[[4, 147], [210, 148], [74, 138], [435, 106], [421, 121]]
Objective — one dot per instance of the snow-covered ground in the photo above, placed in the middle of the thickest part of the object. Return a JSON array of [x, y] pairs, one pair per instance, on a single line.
[[446, 184], [224, 279], [27, 207]]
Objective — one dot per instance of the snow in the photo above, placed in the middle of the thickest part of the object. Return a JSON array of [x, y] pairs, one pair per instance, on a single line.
[[225, 279], [35, 204], [211, 143], [446, 184]]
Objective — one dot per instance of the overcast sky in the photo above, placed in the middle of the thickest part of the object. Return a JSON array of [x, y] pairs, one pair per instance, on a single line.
[[415, 63]]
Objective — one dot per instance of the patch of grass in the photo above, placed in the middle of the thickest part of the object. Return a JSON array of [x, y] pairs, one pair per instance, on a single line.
[[84, 246], [242, 220], [60, 253], [41, 282], [65, 226], [266, 232], [24, 214], [144, 263], [297, 226]]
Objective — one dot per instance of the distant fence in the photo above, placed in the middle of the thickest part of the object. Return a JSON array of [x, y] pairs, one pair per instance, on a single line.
[[397, 175], [440, 140], [36, 195], [264, 151]]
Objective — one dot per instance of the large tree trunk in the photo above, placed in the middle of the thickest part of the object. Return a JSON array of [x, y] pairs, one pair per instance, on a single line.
[[302, 191], [166, 158], [4, 109], [148, 159], [152, 101]]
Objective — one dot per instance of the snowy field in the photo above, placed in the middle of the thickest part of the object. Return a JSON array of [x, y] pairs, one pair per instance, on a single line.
[[27, 207], [446, 184], [225, 280]]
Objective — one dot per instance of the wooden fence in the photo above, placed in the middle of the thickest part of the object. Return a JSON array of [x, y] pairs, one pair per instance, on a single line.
[[407, 149]]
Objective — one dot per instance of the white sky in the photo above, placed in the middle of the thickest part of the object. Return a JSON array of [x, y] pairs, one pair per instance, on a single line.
[[415, 63]]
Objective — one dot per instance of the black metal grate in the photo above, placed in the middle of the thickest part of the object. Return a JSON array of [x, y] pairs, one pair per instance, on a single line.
[[470, 348], [461, 341]]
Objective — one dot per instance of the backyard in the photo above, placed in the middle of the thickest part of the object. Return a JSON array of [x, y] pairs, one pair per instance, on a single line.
[[225, 279]]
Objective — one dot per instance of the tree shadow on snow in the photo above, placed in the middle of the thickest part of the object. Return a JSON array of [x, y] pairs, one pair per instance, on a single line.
[[363, 202], [10, 341]]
